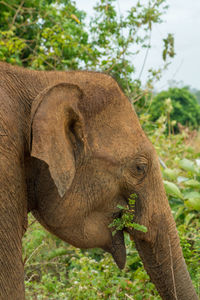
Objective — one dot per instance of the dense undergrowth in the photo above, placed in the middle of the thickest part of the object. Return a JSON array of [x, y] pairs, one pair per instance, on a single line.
[[56, 270]]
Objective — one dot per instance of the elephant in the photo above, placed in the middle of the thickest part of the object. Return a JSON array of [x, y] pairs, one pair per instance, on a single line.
[[71, 151]]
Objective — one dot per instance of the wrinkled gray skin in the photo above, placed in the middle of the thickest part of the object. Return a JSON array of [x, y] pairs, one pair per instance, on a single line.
[[71, 150]]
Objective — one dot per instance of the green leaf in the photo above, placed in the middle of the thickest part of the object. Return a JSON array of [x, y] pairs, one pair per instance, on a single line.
[[114, 232], [170, 173], [188, 165], [139, 227], [193, 200], [172, 189], [126, 219], [192, 184], [121, 207], [188, 218], [179, 212]]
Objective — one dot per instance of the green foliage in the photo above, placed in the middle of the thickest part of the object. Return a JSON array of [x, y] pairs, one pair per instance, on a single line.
[[43, 34], [52, 34], [168, 46], [126, 218], [186, 183], [197, 94], [118, 39], [55, 270], [182, 183], [190, 243], [172, 189], [185, 108]]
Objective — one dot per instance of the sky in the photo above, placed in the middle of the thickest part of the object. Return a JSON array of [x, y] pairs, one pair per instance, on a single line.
[[183, 21]]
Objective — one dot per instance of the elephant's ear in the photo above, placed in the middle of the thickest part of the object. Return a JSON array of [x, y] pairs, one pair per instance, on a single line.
[[57, 131]]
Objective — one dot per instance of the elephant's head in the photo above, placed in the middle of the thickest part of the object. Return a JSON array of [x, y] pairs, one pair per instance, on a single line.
[[89, 154]]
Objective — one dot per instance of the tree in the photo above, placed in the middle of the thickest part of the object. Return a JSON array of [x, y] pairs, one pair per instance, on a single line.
[[44, 34], [118, 40], [52, 34], [185, 108], [197, 94]]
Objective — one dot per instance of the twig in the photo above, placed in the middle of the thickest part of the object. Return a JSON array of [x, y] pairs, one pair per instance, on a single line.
[[119, 55], [172, 269], [15, 16], [178, 68], [146, 55], [35, 52], [26, 260], [45, 263], [129, 297], [162, 163], [32, 276], [33, 222], [137, 98], [6, 4]]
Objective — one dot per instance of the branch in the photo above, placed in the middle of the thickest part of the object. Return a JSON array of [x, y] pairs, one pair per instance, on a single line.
[[6, 4], [18, 10], [145, 58], [36, 249]]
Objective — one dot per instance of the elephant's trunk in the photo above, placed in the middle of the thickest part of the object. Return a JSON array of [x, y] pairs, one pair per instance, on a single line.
[[159, 248], [164, 262]]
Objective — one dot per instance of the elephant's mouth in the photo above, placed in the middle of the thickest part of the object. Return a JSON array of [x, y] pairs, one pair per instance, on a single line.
[[118, 249]]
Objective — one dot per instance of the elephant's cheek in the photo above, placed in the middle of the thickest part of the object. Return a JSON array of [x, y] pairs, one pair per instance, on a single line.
[[96, 233]]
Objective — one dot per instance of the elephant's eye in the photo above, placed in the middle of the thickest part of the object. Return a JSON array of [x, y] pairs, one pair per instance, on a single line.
[[141, 168], [138, 168]]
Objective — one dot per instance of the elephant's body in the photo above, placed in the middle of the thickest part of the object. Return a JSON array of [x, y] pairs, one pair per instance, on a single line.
[[71, 150]]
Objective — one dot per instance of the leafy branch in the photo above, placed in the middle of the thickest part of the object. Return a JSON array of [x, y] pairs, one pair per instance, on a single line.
[[126, 219]]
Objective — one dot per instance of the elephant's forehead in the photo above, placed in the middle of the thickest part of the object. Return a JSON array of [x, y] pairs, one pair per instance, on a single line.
[[119, 134]]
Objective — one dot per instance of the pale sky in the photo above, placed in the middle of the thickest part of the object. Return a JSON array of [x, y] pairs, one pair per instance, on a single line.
[[183, 20]]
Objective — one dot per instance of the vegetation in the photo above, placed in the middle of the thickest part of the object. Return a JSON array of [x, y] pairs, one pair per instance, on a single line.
[[184, 110], [126, 218], [52, 34]]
